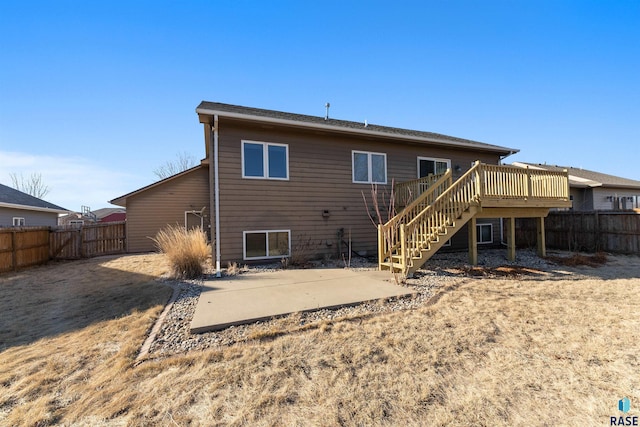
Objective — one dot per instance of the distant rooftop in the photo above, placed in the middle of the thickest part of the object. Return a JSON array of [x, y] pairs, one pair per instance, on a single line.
[[330, 124], [579, 177]]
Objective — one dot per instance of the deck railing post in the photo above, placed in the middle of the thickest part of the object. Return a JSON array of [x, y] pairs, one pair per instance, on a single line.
[[479, 178], [403, 248], [529, 184]]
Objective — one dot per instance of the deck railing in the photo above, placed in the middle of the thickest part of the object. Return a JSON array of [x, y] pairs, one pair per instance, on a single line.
[[510, 182], [406, 192], [389, 233], [425, 227], [420, 223]]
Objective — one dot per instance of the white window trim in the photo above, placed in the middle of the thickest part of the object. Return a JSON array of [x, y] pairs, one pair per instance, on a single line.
[[194, 213], [265, 159], [369, 166], [19, 219], [244, 244], [433, 159], [478, 233]]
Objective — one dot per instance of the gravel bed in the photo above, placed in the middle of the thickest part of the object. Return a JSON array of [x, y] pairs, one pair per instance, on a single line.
[[441, 270]]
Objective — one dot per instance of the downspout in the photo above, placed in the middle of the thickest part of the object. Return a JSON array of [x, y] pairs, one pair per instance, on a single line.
[[217, 192], [511, 153]]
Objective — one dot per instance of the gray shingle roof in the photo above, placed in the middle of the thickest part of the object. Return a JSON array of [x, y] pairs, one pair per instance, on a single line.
[[15, 197], [206, 107], [587, 178]]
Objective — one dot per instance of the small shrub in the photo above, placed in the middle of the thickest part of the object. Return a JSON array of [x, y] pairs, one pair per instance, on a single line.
[[303, 248], [186, 250], [596, 260], [234, 269]]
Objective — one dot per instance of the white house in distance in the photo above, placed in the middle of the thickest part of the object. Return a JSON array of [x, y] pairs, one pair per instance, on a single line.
[[595, 191], [18, 209]]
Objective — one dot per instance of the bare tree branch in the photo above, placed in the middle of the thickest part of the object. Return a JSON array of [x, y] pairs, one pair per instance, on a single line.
[[388, 203], [32, 185], [182, 162]]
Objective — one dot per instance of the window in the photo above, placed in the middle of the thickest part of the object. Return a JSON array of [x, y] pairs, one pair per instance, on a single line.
[[369, 168], [18, 222], [266, 244], [265, 160], [76, 223], [485, 233], [432, 166]]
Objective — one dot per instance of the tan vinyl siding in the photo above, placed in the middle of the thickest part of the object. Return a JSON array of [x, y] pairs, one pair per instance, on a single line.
[[156, 207], [320, 178]]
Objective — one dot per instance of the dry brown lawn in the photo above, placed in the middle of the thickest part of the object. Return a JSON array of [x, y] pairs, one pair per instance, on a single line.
[[558, 348]]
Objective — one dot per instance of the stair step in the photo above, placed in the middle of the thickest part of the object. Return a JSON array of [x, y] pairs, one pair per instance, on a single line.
[[391, 266]]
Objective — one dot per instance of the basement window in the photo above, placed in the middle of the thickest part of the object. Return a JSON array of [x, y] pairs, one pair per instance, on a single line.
[[265, 244], [485, 233], [18, 221], [265, 160]]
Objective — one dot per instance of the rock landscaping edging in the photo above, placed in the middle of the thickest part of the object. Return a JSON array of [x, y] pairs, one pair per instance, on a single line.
[[172, 331]]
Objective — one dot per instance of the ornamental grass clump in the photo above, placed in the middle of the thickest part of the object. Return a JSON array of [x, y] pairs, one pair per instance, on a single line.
[[186, 250]]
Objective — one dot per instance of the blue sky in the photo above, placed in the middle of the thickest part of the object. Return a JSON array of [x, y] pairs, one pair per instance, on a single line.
[[96, 95]]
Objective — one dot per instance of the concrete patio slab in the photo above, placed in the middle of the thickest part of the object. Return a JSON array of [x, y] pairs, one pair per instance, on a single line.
[[248, 298]]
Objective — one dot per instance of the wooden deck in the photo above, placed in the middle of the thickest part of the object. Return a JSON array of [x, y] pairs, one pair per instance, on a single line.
[[438, 207]]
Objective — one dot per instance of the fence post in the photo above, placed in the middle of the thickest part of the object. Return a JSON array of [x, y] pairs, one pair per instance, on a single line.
[[14, 251], [597, 233], [80, 241]]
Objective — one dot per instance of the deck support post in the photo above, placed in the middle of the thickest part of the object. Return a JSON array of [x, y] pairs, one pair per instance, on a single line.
[[541, 243], [511, 239], [473, 241]]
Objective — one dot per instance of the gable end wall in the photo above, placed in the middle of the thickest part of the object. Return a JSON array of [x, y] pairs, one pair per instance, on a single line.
[[165, 204]]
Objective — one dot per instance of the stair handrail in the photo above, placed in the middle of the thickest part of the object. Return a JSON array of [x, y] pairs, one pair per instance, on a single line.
[[424, 227], [389, 233], [473, 175], [426, 198]]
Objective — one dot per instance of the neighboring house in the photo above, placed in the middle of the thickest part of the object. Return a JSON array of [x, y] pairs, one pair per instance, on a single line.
[[18, 209], [110, 214], [77, 219], [591, 190], [286, 183]]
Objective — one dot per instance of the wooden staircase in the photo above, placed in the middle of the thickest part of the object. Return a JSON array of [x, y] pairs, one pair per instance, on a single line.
[[410, 238]]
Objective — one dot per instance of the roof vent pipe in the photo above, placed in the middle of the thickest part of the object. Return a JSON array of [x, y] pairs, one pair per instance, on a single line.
[[326, 116]]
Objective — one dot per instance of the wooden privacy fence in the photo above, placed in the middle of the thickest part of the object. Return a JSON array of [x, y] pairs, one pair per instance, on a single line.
[[24, 247], [616, 232]]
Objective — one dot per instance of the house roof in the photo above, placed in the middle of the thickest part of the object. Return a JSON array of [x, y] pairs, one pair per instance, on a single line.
[[344, 126], [122, 200], [12, 198], [583, 178], [104, 212]]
